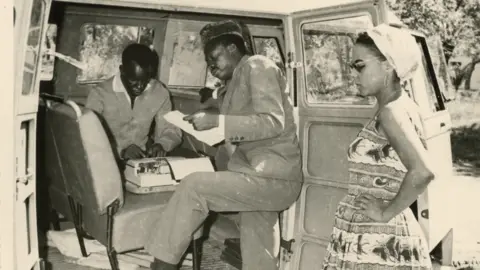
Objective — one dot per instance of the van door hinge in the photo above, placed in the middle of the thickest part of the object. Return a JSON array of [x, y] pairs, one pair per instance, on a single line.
[[291, 62], [294, 65], [287, 249]]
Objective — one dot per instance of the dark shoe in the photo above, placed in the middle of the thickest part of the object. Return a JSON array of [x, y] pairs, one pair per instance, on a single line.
[[161, 265]]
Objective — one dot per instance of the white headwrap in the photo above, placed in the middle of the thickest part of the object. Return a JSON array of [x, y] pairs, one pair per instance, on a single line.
[[399, 47]]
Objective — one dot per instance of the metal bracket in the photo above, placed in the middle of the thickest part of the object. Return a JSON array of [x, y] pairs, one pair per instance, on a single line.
[[294, 65], [25, 179], [287, 249], [424, 213]]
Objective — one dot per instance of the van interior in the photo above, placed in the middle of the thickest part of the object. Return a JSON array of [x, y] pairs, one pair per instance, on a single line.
[[82, 44]]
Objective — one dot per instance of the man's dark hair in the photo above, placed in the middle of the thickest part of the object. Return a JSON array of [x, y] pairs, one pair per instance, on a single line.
[[367, 41], [140, 54], [226, 40]]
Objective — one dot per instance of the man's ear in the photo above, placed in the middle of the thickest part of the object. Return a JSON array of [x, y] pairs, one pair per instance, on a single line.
[[121, 69]]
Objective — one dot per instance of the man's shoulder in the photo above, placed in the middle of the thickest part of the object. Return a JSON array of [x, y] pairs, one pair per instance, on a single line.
[[103, 87], [259, 61], [159, 88]]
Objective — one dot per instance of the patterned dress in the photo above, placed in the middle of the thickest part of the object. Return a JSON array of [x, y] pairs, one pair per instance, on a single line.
[[357, 242]]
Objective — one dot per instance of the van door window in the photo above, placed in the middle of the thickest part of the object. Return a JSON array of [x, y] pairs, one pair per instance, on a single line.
[[48, 60], [433, 102], [188, 67], [269, 47], [440, 65], [101, 48], [32, 53], [327, 50]]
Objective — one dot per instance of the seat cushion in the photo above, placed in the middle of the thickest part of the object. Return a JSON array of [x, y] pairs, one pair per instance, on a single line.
[[132, 222]]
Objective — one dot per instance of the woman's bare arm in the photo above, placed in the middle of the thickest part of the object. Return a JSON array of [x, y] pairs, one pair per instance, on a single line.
[[402, 136]]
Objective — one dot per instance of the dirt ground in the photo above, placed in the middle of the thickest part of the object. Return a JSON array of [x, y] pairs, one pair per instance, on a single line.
[[465, 193]]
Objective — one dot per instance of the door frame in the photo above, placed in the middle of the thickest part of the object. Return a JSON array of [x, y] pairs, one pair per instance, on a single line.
[[7, 169]]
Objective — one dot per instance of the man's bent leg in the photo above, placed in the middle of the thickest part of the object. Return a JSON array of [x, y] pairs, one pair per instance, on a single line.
[[221, 192], [172, 233], [259, 240]]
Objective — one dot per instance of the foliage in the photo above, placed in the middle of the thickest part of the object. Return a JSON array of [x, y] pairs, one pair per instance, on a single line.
[[102, 45], [269, 48], [457, 22], [327, 53]]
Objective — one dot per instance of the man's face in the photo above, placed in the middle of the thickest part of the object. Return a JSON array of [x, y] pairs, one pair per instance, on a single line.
[[135, 78], [220, 61]]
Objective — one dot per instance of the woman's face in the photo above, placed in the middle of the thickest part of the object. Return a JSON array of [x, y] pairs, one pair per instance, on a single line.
[[369, 70]]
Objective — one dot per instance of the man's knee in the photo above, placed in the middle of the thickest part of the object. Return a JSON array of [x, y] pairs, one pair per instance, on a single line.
[[192, 180], [198, 183]]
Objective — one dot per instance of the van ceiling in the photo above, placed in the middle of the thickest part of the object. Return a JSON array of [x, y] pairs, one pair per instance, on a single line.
[[253, 7]]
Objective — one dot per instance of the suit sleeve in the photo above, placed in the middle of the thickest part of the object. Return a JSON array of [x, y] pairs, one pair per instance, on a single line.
[[268, 118], [166, 134]]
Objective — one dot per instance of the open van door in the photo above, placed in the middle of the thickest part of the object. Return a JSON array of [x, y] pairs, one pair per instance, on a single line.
[[330, 116], [433, 206], [29, 32]]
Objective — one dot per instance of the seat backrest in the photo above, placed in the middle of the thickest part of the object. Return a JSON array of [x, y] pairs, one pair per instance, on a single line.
[[51, 163], [81, 156]]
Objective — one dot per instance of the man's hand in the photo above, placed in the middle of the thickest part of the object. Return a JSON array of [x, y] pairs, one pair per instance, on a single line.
[[156, 150], [133, 152], [205, 94], [203, 120]]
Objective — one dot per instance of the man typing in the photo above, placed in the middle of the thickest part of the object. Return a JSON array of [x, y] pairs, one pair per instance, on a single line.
[[131, 101]]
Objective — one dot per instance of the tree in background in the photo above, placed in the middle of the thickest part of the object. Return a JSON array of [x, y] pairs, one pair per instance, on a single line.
[[457, 22]]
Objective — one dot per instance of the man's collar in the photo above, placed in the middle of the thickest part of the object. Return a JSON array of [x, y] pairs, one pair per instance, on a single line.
[[118, 84], [240, 63]]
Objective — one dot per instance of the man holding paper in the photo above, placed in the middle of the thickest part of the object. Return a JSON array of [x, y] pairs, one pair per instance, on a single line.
[[263, 174]]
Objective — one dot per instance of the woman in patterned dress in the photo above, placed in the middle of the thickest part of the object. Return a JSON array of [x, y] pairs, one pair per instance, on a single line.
[[389, 167]]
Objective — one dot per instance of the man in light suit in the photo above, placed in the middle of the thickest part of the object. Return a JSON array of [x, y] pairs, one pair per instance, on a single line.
[[263, 174]]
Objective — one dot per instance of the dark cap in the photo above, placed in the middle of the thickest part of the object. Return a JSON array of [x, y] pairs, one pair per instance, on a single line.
[[214, 30]]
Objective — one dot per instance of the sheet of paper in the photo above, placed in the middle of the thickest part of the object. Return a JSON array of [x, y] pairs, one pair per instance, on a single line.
[[183, 167], [210, 137]]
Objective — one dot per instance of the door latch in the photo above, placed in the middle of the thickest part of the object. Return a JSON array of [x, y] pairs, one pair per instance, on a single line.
[[24, 179], [287, 249]]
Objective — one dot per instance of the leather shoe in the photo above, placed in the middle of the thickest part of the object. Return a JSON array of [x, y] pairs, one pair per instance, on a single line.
[[161, 265]]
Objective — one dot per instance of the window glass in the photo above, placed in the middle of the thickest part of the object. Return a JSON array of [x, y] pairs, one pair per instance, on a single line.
[[440, 65], [432, 97], [188, 66], [101, 48], [327, 49], [48, 60], [269, 47], [33, 46]]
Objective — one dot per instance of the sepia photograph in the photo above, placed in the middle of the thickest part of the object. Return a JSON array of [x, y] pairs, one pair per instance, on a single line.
[[240, 135]]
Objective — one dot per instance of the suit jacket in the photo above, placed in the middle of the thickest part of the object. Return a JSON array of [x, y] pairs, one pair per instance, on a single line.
[[259, 126], [132, 126]]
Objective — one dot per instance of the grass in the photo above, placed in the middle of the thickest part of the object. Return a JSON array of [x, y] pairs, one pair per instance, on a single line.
[[465, 138], [465, 114]]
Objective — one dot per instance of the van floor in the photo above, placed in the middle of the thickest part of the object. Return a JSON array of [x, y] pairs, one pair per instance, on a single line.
[[210, 260], [212, 249]]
